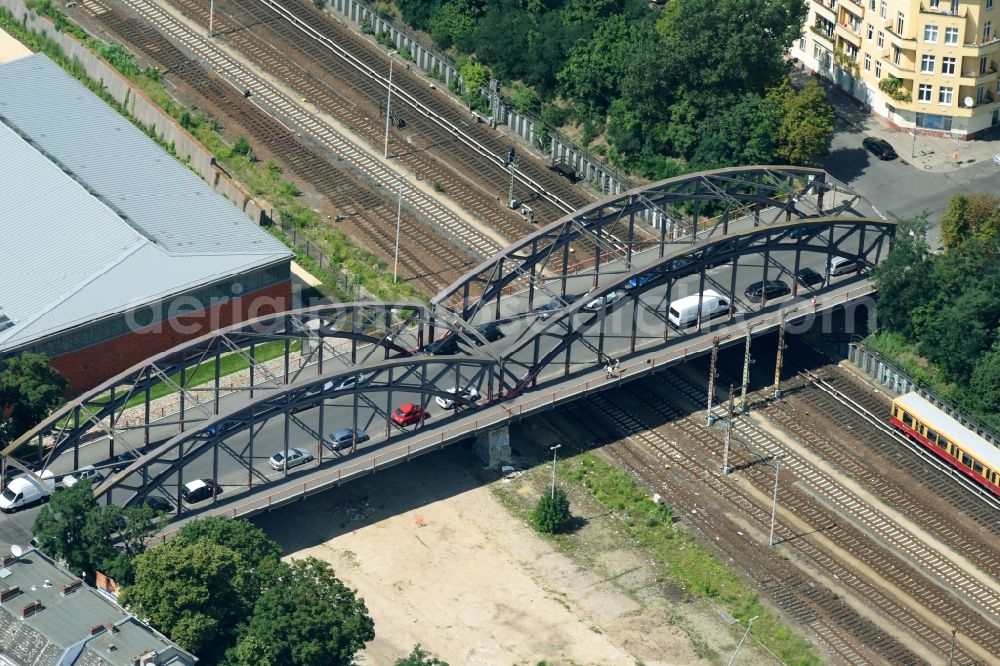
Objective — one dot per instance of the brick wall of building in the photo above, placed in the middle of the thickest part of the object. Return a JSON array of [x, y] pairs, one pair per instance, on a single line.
[[88, 367]]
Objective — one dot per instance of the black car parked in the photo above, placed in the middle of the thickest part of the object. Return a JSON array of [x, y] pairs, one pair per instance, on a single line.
[[760, 291], [879, 147], [807, 277]]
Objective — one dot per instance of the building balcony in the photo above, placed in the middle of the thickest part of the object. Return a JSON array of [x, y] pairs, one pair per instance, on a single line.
[[901, 71], [944, 11], [821, 32], [827, 10], [974, 77], [902, 41], [980, 49], [857, 6], [989, 99], [849, 33]]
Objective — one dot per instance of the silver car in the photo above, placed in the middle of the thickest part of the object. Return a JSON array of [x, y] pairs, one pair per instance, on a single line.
[[461, 397], [296, 457]]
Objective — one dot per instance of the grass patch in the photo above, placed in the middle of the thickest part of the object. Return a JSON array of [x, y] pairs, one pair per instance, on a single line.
[[205, 372], [263, 180], [686, 564]]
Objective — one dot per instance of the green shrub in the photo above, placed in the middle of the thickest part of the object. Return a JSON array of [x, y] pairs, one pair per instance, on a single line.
[[551, 515]]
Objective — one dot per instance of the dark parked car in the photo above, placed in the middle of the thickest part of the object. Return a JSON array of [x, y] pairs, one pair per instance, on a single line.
[[879, 147], [490, 331], [442, 346], [713, 250], [123, 460], [760, 291], [159, 504], [220, 428], [199, 490], [641, 280], [807, 277], [546, 310], [345, 437]]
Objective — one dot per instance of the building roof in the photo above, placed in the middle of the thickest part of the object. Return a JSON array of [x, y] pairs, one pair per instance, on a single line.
[[75, 625], [98, 219], [952, 430]]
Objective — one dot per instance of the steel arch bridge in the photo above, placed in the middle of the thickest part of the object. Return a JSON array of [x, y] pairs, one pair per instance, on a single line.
[[607, 274]]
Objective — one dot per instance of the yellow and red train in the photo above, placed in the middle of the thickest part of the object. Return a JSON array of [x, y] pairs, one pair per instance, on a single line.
[[921, 421]]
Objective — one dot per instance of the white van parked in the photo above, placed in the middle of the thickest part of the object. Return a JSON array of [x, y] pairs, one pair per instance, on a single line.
[[684, 311], [842, 265], [26, 490]]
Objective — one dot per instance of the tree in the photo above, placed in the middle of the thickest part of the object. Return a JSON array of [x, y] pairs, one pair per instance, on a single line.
[[551, 514], [806, 128], [420, 657], [985, 382], [474, 75], [307, 618], [195, 593], [455, 22], [903, 276], [259, 552], [30, 388], [972, 221], [73, 527]]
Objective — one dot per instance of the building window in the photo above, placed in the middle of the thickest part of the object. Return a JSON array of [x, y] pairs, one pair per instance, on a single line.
[[924, 92], [944, 95], [899, 23], [895, 54], [881, 39], [995, 120], [802, 44], [871, 31], [951, 36], [878, 69], [980, 93], [934, 121], [987, 27], [930, 34], [871, 5], [927, 64], [989, 4], [948, 66], [881, 10], [982, 65], [868, 65]]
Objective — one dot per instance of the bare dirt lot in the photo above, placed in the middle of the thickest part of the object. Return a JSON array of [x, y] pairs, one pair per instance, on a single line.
[[441, 559]]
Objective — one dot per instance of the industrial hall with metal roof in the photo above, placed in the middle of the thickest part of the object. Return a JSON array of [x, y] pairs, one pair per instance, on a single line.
[[113, 250]]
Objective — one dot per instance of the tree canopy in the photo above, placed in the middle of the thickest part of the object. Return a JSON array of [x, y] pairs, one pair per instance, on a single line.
[[697, 84], [307, 617], [30, 388]]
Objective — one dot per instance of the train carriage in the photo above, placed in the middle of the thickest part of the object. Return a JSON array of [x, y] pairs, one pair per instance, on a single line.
[[972, 455]]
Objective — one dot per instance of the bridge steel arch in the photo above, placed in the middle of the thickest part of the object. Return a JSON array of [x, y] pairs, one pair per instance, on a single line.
[[678, 209], [369, 325], [794, 210]]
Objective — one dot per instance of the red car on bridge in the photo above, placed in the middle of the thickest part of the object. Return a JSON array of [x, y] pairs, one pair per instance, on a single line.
[[409, 413]]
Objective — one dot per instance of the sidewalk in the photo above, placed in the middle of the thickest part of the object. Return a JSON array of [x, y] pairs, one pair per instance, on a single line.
[[927, 153]]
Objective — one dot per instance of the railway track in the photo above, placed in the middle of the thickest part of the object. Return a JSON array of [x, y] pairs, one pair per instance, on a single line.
[[314, 53], [646, 450], [934, 583], [372, 213]]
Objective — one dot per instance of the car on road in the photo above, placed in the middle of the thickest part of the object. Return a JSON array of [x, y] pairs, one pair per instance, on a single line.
[[641, 280], [996, 159], [409, 413], [601, 301], [460, 397], [843, 265], [158, 504], [199, 490], [807, 277], [87, 472], [490, 331], [766, 291], [879, 147], [220, 428], [345, 383], [345, 437], [296, 457], [123, 460], [442, 346], [546, 310]]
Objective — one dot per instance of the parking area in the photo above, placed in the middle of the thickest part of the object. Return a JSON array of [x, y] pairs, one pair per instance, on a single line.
[[927, 172]]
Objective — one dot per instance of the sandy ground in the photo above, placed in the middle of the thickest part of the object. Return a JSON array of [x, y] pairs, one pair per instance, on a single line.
[[442, 562]]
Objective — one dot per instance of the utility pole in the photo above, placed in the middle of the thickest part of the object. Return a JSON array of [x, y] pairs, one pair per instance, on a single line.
[[388, 107], [711, 378], [399, 214], [774, 499], [951, 654], [746, 373], [781, 349], [555, 449], [511, 165], [726, 469], [745, 634], [211, 18]]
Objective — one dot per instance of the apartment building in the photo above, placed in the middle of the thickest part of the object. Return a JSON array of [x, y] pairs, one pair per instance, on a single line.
[[929, 64]]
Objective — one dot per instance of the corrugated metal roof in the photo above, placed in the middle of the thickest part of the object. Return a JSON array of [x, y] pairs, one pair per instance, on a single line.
[[953, 431], [97, 219]]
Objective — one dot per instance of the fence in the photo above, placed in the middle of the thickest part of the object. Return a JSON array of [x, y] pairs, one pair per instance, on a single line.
[[882, 370], [347, 288], [561, 149]]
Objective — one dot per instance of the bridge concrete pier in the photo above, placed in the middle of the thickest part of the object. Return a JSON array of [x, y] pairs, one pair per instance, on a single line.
[[493, 446]]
